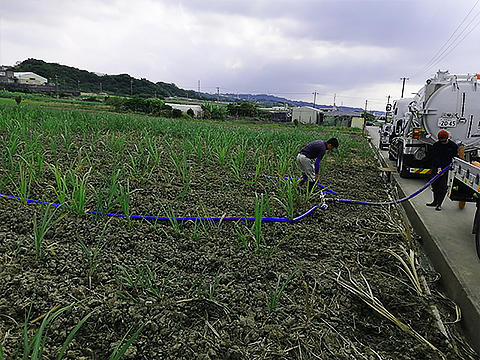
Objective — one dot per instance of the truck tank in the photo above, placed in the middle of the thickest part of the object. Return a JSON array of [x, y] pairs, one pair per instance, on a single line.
[[446, 102], [450, 102]]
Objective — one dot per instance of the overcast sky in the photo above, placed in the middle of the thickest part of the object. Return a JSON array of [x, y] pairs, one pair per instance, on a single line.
[[350, 51]]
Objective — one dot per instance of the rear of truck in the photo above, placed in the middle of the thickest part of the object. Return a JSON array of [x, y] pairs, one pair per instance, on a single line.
[[447, 102]]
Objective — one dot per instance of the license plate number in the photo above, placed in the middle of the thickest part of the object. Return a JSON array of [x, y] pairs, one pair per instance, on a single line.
[[445, 122]]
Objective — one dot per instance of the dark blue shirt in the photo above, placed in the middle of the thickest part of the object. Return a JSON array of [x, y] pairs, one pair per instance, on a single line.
[[443, 154], [315, 149]]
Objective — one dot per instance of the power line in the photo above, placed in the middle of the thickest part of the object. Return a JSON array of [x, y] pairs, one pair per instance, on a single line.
[[459, 41], [316, 94], [448, 46]]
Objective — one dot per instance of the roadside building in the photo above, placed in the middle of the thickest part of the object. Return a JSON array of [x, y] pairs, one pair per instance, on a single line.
[[357, 122], [6, 77], [29, 78], [344, 118], [197, 109], [307, 115], [280, 116]]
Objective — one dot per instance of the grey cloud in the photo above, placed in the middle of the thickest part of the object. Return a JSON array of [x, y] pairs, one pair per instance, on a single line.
[[282, 46]]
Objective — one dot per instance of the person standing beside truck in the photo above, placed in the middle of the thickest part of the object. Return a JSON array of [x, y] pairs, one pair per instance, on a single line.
[[443, 152], [309, 158]]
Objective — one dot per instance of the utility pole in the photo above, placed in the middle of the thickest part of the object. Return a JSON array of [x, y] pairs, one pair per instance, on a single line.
[[218, 93], [314, 98], [365, 117], [403, 84], [198, 88], [334, 100]]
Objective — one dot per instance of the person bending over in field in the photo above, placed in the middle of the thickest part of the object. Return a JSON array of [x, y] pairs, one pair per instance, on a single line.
[[309, 158]]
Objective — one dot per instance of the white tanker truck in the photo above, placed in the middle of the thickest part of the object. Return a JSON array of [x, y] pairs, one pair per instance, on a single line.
[[449, 102]]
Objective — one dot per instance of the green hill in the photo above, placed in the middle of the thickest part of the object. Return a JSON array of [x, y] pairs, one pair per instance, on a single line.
[[68, 77]]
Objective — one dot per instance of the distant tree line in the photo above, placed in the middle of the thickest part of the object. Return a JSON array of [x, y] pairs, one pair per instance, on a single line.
[[138, 104], [243, 109], [158, 107], [68, 77]]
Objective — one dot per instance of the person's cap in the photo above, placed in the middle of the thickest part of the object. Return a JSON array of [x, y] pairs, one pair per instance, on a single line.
[[443, 134]]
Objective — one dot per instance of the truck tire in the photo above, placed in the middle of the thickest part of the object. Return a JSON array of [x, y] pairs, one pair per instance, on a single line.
[[401, 168]]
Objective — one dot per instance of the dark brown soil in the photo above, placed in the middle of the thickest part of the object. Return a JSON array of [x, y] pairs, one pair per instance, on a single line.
[[205, 289]]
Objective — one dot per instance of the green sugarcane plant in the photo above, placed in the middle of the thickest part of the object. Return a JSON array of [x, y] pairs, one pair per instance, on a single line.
[[34, 346], [61, 189], [276, 293], [25, 184], [42, 226], [79, 192], [120, 351]]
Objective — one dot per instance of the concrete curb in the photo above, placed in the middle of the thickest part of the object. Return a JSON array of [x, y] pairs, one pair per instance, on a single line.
[[451, 280], [447, 240]]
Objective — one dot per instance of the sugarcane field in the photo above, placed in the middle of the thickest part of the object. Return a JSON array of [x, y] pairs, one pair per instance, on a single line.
[[141, 237]]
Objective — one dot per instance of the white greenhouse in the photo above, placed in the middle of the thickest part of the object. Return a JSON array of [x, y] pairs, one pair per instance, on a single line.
[[307, 115]]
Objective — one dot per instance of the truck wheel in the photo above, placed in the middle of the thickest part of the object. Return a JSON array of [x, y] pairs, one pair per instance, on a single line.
[[401, 168]]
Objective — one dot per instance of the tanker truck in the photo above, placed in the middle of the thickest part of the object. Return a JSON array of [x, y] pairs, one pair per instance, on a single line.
[[400, 109], [446, 102]]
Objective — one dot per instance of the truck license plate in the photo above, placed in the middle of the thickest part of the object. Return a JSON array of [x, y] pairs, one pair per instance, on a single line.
[[447, 122]]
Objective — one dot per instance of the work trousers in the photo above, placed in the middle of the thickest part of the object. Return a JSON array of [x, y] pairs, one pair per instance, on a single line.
[[307, 167], [439, 188]]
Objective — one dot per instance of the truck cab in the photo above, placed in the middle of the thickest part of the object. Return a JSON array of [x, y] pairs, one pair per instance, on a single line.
[[400, 109], [385, 132]]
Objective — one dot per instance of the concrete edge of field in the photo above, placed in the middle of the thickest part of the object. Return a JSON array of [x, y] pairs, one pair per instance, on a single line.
[[451, 281]]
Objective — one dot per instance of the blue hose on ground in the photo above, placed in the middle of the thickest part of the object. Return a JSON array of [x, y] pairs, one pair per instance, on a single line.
[[30, 201], [235, 218], [213, 218], [166, 218], [391, 202]]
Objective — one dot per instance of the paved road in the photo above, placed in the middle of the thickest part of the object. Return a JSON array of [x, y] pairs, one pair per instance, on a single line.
[[447, 239]]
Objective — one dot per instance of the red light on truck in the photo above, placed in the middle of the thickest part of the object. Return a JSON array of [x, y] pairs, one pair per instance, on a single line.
[[416, 133]]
